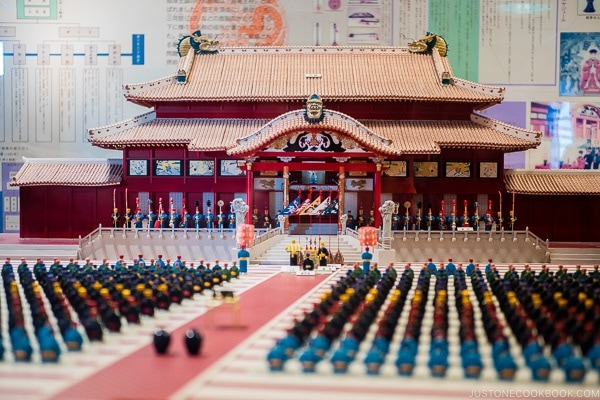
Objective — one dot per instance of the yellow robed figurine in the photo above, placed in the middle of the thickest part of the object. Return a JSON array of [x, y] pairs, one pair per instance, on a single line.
[[293, 248]]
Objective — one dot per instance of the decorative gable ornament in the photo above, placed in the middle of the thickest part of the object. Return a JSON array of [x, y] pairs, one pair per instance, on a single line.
[[426, 43], [313, 111], [200, 43]]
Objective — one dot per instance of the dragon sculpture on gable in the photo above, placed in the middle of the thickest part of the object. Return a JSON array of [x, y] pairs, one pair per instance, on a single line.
[[426, 43], [198, 42]]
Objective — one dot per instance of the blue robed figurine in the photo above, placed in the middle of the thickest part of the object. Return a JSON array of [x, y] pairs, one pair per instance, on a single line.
[[210, 219], [231, 220], [174, 219], [366, 260], [243, 256], [406, 221], [429, 219], [198, 218], [163, 217], [441, 221], [221, 220], [185, 217], [138, 218], [475, 218], [151, 216], [488, 218]]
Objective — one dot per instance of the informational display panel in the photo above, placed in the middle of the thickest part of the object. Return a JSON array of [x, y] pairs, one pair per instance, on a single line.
[[65, 61]]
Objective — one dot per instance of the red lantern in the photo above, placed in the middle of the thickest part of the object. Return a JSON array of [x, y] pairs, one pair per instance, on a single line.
[[367, 236], [245, 234]]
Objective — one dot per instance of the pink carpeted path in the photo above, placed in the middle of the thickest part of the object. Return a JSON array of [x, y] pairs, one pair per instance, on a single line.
[[145, 375]]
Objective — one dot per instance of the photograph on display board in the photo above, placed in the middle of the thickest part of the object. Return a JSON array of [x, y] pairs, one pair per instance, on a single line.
[[396, 168], [137, 167], [579, 64], [570, 135], [201, 167], [457, 169], [167, 168], [488, 169], [425, 169], [230, 168]]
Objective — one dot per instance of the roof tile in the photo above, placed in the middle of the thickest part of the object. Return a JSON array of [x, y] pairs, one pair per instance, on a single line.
[[553, 182], [293, 73], [69, 172]]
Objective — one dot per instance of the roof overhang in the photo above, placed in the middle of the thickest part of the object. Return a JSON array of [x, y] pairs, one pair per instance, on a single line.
[[69, 172], [552, 181]]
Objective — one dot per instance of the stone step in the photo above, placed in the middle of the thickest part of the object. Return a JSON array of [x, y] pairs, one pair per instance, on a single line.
[[43, 251], [277, 254]]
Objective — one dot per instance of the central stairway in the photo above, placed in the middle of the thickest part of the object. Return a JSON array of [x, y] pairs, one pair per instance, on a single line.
[[276, 255]]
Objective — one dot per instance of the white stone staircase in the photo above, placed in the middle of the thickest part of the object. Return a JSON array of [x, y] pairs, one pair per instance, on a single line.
[[583, 255], [276, 254]]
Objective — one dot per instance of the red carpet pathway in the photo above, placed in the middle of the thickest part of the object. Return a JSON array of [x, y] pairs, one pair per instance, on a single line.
[[145, 375]]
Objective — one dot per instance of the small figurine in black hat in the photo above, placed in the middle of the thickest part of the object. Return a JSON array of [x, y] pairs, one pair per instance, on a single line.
[[161, 341]]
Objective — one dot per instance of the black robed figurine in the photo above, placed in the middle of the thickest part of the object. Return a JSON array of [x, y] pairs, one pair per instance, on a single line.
[[193, 342], [161, 341]]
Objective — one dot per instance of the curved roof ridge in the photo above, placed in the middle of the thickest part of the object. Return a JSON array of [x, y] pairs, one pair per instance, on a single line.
[[552, 181], [72, 172], [133, 88], [111, 129], [496, 91], [309, 48], [511, 130], [292, 121], [81, 160]]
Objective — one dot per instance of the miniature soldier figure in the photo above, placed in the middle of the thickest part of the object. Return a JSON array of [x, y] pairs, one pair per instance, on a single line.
[[406, 221], [361, 218], [396, 222], [293, 248], [221, 220], [243, 256], [185, 217], [366, 260], [488, 220], [475, 218], [499, 221], [128, 217], [115, 217], [441, 220], [512, 220], [429, 218], [323, 255], [266, 220], [350, 223], [173, 218], [198, 217], [308, 264], [255, 218], [138, 218], [231, 220], [151, 218], [163, 219], [281, 222], [372, 218], [210, 219], [464, 220], [418, 218]]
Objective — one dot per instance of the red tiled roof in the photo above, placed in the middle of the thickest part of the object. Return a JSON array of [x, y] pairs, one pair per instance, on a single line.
[[69, 172], [293, 73], [238, 136], [553, 182]]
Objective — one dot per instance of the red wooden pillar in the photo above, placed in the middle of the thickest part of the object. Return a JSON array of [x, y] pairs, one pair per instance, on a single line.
[[377, 194], [249, 191]]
